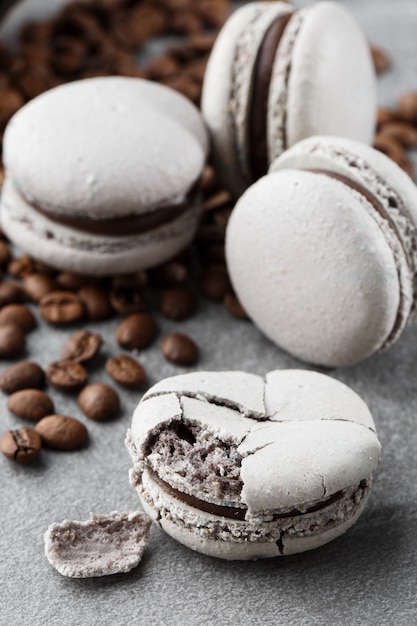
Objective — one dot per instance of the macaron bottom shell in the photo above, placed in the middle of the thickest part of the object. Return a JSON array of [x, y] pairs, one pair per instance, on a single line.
[[73, 250]]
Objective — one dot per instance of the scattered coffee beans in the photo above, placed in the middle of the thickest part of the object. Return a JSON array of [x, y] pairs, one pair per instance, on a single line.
[[67, 375], [10, 293], [22, 375], [99, 402], [22, 445], [61, 307], [12, 341], [178, 303], [407, 107], [61, 432], [380, 59], [18, 314], [169, 274], [402, 132], [179, 349], [82, 346], [126, 371], [234, 306], [137, 331], [31, 404], [5, 254]]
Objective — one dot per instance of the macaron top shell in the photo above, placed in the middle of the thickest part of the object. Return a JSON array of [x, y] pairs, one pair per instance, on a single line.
[[313, 267], [105, 147]]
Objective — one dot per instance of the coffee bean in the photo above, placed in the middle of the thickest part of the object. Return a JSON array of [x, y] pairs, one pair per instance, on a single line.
[[179, 349], [169, 274], [66, 375], [162, 66], [208, 179], [10, 293], [137, 331], [71, 282], [390, 147], [234, 307], [20, 267], [31, 404], [126, 371], [22, 375], [177, 303], [82, 346], [61, 307], [61, 432], [10, 101], [22, 445], [404, 133], [12, 341], [125, 299], [380, 59], [407, 107], [99, 402], [5, 254], [215, 282], [18, 314], [37, 285], [96, 302]]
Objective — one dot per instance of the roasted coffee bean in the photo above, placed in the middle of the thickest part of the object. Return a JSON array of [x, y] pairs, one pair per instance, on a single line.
[[404, 133], [31, 404], [163, 66], [384, 116], [99, 402], [5, 254], [407, 107], [208, 179], [71, 282], [18, 314], [186, 22], [12, 341], [169, 274], [390, 147], [96, 302], [20, 267], [61, 307], [126, 371], [22, 445], [82, 346], [214, 12], [22, 375], [127, 300], [10, 293], [61, 432], [234, 307], [380, 59], [216, 201], [215, 282], [178, 303], [10, 102], [67, 375], [179, 349], [37, 285], [137, 331]]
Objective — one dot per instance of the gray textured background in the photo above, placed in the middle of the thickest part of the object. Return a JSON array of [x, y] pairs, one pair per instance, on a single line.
[[366, 577]]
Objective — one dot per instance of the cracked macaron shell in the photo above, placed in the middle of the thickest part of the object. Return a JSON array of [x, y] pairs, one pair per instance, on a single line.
[[315, 436]]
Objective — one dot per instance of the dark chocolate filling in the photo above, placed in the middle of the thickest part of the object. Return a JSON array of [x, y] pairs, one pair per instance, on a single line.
[[234, 512], [258, 112], [379, 209], [120, 226]]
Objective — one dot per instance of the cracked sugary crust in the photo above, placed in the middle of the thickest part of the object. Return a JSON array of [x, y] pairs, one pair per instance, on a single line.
[[393, 189], [312, 439], [102, 545]]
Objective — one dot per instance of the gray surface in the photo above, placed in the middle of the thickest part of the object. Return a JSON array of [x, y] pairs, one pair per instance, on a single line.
[[366, 577]]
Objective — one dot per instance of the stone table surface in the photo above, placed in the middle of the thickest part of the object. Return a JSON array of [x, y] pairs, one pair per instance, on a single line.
[[366, 577]]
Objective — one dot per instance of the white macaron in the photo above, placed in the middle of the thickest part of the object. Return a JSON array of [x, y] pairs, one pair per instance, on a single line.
[[322, 251], [94, 183], [277, 75], [243, 467]]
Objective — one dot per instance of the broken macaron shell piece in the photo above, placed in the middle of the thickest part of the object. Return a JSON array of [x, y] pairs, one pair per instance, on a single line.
[[100, 546], [240, 467]]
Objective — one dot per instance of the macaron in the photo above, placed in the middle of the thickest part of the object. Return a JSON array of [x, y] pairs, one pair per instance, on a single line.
[[238, 466], [94, 182], [277, 75], [322, 252]]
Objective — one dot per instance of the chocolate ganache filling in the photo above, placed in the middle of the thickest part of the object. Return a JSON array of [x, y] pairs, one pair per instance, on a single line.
[[120, 226], [258, 109]]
